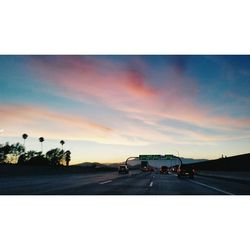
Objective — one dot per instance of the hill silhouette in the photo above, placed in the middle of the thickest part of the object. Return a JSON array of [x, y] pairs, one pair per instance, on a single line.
[[232, 163]]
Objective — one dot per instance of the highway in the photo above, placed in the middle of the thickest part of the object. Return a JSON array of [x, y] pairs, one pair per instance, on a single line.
[[112, 183]]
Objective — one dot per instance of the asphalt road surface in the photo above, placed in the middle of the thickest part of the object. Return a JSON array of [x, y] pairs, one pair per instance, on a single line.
[[134, 183]]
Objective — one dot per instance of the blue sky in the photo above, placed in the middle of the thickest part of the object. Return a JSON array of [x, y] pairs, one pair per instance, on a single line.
[[107, 108]]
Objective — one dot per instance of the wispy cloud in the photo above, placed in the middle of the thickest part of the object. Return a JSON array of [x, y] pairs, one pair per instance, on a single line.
[[126, 89], [39, 121]]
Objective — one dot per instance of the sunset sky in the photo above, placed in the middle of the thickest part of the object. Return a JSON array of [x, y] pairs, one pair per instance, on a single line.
[[108, 108]]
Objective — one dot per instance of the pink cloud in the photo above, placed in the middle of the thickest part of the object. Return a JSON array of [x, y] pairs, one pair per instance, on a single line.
[[135, 84], [95, 78], [127, 90]]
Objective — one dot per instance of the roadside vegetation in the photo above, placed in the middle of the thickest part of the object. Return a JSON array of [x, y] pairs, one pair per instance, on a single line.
[[15, 155], [16, 160]]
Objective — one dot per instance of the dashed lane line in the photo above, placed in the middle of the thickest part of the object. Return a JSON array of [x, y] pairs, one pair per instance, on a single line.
[[105, 182]]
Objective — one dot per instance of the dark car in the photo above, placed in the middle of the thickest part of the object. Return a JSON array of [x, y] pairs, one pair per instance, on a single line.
[[123, 169], [185, 172], [144, 166], [150, 169], [164, 170]]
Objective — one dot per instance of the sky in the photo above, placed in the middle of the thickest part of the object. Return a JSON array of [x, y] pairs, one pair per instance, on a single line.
[[108, 108]]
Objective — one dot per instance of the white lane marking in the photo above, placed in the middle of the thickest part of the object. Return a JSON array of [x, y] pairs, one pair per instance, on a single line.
[[173, 174], [217, 189], [151, 184], [105, 182]]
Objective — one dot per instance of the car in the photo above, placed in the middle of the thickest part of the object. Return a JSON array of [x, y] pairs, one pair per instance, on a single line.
[[185, 172], [123, 169], [164, 170], [151, 169], [144, 166]]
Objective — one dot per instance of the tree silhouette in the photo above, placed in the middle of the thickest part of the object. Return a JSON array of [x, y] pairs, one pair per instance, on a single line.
[[38, 161], [27, 156], [55, 156], [11, 153], [15, 151], [4, 151], [15, 154], [25, 136], [41, 139], [67, 157], [62, 142]]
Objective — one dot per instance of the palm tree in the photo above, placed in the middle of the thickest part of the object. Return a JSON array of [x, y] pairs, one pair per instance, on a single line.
[[67, 157], [62, 142], [41, 139], [25, 136]]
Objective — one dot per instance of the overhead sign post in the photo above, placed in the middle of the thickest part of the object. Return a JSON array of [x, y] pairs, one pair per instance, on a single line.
[[153, 158]]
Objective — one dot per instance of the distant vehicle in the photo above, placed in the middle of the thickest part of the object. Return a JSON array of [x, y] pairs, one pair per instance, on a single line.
[[164, 170], [174, 169], [123, 169], [185, 172], [147, 169], [144, 166], [151, 169]]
